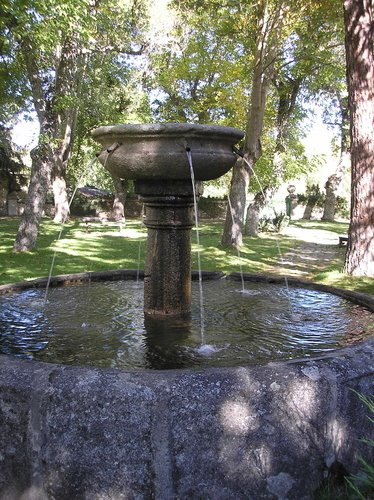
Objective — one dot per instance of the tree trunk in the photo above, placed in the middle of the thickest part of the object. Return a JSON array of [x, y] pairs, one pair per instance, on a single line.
[[68, 77], [40, 177], [42, 158], [334, 180], [360, 74], [254, 211], [233, 228], [332, 185], [120, 192], [62, 209], [287, 94], [57, 127], [309, 210], [253, 219], [262, 75]]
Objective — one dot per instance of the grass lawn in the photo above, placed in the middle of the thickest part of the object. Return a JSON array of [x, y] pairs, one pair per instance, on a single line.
[[108, 246]]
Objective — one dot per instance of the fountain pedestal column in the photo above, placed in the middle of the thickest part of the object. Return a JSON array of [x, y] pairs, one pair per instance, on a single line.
[[169, 217]]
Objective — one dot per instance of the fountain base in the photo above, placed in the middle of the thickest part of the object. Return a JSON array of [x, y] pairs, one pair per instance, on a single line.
[[273, 430]]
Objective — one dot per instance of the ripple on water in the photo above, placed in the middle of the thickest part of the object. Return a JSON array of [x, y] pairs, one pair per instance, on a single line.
[[102, 324]]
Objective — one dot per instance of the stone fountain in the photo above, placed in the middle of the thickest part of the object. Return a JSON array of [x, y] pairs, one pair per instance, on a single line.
[[271, 431], [155, 156]]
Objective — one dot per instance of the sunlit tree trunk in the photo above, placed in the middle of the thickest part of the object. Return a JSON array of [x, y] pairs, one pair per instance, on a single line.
[[40, 176], [120, 192], [334, 180], [360, 75], [68, 76], [41, 156], [233, 228], [287, 95], [49, 159], [262, 74]]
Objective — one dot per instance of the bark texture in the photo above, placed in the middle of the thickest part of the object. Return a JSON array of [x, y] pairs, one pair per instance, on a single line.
[[49, 159], [287, 94], [40, 177], [237, 199], [269, 25], [120, 191], [334, 180], [41, 156], [360, 75], [68, 76]]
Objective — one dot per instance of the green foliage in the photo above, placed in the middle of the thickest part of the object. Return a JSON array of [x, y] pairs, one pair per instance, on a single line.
[[312, 195], [195, 64], [81, 57], [203, 77], [274, 224], [342, 207]]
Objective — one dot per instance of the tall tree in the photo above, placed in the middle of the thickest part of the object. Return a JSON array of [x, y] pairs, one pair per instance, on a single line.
[[358, 20], [287, 91], [56, 42], [199, 76], [334, 180], [270, 22]]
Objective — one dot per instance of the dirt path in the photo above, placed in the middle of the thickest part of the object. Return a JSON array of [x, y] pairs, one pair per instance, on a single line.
[[318, 249]]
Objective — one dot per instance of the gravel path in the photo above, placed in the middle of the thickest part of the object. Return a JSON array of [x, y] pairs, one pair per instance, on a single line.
[[318, 248]]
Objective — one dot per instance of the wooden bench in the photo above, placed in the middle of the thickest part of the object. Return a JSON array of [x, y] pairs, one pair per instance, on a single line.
[[343, 240]]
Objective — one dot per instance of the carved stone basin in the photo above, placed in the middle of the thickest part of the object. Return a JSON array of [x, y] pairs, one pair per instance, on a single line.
[[158, 150]]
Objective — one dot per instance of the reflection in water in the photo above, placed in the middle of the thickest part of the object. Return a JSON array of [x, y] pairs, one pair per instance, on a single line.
[[104, 325], [163, 336]]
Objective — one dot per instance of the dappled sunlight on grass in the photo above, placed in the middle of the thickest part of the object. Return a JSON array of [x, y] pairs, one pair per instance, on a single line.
[[254, 256], [335, 227], [105, 246], [76, 250], [337, 278]]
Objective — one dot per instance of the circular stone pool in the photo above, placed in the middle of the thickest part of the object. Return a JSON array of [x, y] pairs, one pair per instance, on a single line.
[[276, 429], [102, 324]]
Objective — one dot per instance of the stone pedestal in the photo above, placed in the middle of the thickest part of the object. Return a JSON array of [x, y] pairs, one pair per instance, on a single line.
[[154, 155], [169, 217]]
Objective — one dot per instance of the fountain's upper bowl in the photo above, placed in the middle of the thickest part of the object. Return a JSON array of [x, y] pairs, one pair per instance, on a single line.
[[158, 150]]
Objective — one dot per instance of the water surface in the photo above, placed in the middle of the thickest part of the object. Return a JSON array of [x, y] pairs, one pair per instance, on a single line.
[[102, 324]]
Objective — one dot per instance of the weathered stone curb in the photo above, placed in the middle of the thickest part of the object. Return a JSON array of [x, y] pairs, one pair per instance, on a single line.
[[251, 432]]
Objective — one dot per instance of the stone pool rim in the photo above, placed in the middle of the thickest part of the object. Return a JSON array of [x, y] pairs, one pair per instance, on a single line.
[[275, 430]]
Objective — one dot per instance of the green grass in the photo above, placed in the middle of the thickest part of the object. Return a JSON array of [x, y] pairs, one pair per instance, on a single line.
[[332, 273], [105, 247], [340, 228]]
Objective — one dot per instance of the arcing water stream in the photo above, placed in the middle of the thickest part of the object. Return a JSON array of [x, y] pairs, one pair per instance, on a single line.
[[201, 296]]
